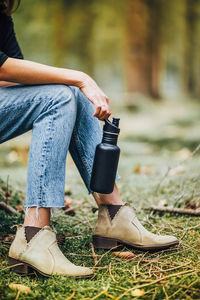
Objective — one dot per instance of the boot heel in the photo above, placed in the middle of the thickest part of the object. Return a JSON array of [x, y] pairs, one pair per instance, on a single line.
[[19, 267], [100, 242]]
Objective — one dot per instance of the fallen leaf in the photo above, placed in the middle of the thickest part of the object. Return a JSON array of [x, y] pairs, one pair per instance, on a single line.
[[177, 170], [124, 254], [19, 208], [137, 292], [137, 169], [20, 287], [142, 170]]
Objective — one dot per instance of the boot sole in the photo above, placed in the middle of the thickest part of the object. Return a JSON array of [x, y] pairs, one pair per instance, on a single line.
[[101, 242], [23, 268]]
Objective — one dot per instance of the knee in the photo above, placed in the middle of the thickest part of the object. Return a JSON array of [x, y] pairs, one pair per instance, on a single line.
[[58, 95], [61, 93]]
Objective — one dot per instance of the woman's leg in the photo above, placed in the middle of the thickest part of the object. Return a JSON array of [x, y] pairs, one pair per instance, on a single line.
[[50, 111], [86, 135], [80, 146], [110, 199], [37, 217]]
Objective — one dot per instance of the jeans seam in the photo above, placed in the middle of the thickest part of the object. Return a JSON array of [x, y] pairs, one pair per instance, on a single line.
[[84, 161], [44, 161], [78, 143]]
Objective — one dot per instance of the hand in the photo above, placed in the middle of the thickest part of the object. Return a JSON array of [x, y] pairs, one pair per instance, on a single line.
[[101, 103]]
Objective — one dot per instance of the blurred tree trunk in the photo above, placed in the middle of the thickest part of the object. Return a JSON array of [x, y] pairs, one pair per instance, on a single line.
[[192, 58], [174, 41], [142, 46], [58, 19], [72, 32], [155, 45], [81, 24]]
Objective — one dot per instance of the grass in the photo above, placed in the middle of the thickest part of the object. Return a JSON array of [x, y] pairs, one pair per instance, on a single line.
[[151, 172]]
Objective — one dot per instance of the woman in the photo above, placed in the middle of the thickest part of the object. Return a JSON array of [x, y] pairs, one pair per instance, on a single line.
[[62, 108]]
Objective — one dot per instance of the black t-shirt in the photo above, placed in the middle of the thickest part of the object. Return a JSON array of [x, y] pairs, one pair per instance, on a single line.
[[9, 46]]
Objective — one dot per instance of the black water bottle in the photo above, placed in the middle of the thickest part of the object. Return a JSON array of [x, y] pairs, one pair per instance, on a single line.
[[106, 159]]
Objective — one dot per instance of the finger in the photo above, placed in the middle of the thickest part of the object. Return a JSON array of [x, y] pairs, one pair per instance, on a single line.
[[99, 115], [105, 116], [97, 111], [104, 113]]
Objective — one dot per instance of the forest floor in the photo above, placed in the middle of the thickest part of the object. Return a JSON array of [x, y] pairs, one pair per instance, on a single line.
[[159, 164]]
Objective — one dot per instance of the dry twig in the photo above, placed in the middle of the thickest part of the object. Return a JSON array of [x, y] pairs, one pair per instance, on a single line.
[[13, 266], [101, 293], [105, 254], [94, 255], [111, 275], [153, 282], [193, 212], [71, 296], [8, 208]]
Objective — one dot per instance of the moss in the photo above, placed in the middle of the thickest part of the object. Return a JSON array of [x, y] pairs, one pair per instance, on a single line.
[[179, 266]]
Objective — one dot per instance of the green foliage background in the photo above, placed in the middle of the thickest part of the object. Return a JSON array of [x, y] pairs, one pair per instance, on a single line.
[[118, 42]]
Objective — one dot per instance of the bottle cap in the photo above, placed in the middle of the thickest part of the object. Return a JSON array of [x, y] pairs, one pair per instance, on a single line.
[[111, 127]]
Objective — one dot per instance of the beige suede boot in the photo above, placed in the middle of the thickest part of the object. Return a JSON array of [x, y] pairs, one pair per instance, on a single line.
[[126, 229], [43, 255]]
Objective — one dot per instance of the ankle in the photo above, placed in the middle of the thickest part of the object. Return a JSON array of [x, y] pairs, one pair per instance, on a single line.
[[114, 203], [37, 217], [35, 223], [107, 199]]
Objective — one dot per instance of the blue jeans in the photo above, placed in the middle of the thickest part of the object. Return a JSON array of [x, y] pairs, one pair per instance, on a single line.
[[61, 118]]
